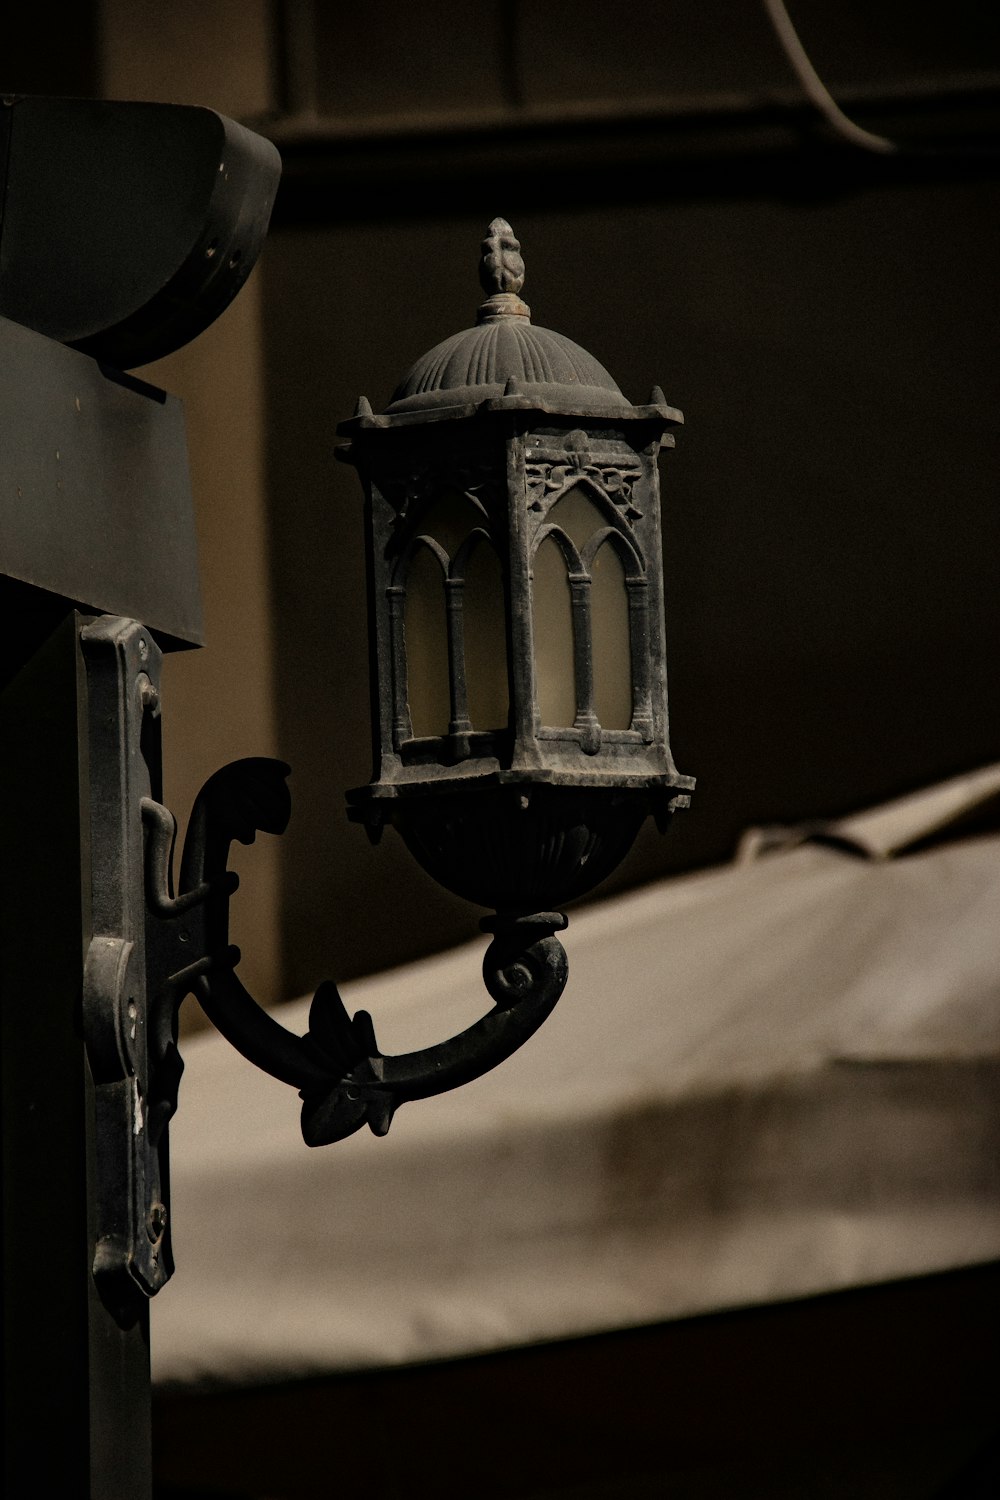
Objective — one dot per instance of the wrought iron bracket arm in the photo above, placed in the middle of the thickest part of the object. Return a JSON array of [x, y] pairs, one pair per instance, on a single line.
[[525, 971], [344, 1079]]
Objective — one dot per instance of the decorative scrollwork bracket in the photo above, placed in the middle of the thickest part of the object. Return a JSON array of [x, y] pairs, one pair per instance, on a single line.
[[152, 946]]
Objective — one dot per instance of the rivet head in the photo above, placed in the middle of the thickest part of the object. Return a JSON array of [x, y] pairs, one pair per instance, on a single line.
[[156, 1222]]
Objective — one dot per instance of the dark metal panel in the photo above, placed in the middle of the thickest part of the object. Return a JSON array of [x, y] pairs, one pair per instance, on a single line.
[[95, 498], [129, 227]]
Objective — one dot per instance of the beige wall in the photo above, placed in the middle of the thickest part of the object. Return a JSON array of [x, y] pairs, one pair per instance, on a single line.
[[218, 701], [213, 52]]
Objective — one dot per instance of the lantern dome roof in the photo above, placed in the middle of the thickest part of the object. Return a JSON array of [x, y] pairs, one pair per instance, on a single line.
[[505, 354]]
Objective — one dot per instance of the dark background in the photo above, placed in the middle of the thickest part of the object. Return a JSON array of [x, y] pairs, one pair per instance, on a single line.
[[827, 320]]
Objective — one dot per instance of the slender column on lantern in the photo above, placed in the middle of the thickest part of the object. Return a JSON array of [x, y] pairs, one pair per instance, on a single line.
[[402, 729], [380, 644], [460, 726], [638, 613], [520, 635], [586, 720]]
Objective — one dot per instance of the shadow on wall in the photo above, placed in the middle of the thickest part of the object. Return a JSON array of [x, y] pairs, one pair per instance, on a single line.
[[830, 522]]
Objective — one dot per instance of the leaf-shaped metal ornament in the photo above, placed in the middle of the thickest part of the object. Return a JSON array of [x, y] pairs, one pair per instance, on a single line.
[[501, 268]]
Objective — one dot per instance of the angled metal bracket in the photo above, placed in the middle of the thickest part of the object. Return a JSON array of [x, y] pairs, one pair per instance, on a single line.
[[132, 1250]]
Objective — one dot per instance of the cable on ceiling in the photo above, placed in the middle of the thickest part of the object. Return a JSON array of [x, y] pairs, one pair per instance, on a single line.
[[816, 90]]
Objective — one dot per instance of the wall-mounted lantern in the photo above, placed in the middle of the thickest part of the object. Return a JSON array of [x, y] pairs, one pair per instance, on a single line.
[[516, 596], [518, 688], [519, 693]]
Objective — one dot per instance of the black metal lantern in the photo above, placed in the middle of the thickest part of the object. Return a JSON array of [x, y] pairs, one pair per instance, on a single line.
[[516, 604]]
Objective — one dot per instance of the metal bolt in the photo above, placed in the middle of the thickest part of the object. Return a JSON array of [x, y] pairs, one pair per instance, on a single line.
[[156, 1222]]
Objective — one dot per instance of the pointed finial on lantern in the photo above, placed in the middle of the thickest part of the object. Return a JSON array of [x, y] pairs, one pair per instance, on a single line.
[[501, 275]]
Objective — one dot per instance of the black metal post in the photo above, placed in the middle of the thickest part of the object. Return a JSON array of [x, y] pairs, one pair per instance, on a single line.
[[76, 1384]]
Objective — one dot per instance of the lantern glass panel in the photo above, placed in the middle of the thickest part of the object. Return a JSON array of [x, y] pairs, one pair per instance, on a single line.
[[450, 518], [553, 631], [610, 632], [596, 628], [485, 640], [576, 514], [426, 645]]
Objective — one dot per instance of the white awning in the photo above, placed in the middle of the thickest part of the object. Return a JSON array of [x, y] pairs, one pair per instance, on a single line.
[[765, 1081]]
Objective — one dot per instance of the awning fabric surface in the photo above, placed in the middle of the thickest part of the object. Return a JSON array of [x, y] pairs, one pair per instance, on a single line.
[[769, 1080]]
